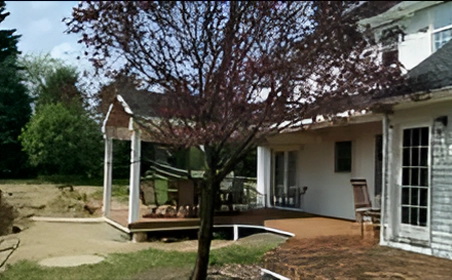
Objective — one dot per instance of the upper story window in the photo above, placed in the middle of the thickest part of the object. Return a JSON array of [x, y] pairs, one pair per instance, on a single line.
[[389, 45], [442, 25]]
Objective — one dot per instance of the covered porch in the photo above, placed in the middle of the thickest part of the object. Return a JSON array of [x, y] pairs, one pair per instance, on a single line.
[[138, 215], [319, 161]]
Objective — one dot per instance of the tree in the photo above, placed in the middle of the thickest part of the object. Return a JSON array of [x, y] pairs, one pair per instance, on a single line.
[[14, 104], [62, 137], [64, 140], [232, 73], [51, 81]]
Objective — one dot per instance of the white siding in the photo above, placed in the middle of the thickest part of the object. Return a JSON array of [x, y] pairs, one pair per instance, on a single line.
[[330, 193], [439, 240]]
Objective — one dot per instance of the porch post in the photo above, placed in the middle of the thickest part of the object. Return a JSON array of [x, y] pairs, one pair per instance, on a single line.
[[263, 173], [386, 177], [107, 175], [134, 189]]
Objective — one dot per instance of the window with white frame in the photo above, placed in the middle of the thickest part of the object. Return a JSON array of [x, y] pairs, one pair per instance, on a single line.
[[442, 25]]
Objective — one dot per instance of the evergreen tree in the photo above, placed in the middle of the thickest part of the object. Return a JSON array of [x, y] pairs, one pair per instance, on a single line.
[[14, 104]]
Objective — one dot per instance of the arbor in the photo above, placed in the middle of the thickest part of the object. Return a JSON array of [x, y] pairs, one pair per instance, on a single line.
[[231, 73], [14, 104]]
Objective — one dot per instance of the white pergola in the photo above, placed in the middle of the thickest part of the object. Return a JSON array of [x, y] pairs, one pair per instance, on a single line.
[[119, 124]]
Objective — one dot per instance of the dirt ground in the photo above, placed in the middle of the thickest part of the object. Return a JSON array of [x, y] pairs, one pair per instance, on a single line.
[[306, 256], [51, 201], [350, 257]]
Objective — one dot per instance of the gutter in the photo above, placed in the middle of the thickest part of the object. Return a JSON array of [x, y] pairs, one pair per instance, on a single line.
[[434, 95]]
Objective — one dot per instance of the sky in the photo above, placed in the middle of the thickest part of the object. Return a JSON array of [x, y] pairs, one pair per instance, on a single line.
[[40, 24]]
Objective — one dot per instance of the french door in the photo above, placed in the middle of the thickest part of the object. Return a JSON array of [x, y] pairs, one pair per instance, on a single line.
[[284, 179], [415, 183]]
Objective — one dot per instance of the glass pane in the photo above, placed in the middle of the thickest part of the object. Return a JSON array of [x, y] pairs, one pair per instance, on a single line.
[[343, 161], [416, 135], [423, 161], [406, 156], [414, 177], [406, 176], [414, 215], [405, 196], [415, 157], [423, 217], [292, 169], [279, 168], [437, 45], [405, 215], [424, 136], [423, 197], [424, 177], [344, 165], [407, 137], [414, 196]]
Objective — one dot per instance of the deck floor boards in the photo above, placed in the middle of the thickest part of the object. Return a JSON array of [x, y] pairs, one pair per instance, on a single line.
[[255, 217]]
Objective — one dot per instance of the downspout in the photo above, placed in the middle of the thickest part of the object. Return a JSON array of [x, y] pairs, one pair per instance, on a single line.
[[385, 181]]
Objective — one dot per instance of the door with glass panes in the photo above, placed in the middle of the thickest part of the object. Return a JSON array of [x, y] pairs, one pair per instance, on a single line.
[[415, 183], [284, 189]]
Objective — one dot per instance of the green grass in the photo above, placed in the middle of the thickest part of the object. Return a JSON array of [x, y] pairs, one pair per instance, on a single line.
[[120, 192], [149, 262]]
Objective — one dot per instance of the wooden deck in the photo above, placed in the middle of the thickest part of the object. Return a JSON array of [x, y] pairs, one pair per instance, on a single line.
[[251, 217]]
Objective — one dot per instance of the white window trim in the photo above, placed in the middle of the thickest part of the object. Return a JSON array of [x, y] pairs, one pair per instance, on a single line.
[[438, 30], [411, 231]]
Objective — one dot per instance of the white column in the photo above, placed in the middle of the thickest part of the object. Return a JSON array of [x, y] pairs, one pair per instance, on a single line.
[[386, 211], [108, 163], [263, 173], [134, 189]]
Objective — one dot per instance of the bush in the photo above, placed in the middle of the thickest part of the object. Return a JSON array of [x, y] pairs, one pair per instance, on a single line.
[[63, 140]]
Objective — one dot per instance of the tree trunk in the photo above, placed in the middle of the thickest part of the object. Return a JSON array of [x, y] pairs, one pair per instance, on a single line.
[[209, 188]]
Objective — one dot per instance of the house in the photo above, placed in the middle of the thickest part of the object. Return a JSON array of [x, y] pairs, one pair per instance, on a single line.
[[400, 143]]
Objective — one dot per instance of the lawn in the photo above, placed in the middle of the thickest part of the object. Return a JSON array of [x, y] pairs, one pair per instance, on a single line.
[[145, 264]]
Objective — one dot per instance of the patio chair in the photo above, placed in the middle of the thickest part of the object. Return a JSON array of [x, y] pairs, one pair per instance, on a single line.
[[363, 205]]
